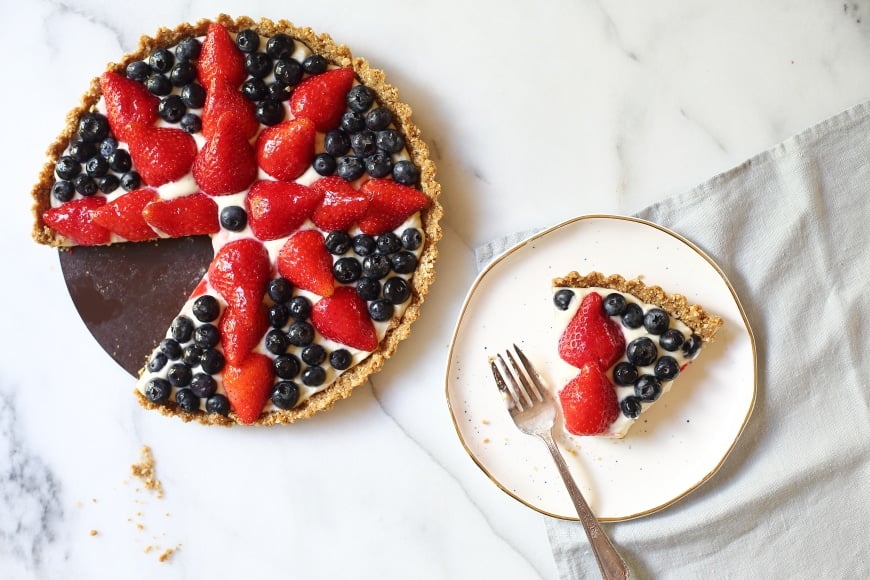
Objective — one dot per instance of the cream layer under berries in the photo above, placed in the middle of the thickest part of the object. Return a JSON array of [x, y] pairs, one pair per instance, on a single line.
[[628, 343], [300, 163]]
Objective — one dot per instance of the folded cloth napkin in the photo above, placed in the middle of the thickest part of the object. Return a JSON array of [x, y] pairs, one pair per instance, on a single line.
[[791, 230]]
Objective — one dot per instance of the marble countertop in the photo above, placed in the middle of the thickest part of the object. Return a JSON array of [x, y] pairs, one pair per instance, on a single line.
[[535, 113]]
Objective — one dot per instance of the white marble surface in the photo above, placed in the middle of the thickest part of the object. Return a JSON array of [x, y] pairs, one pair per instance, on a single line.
[[536, 112]]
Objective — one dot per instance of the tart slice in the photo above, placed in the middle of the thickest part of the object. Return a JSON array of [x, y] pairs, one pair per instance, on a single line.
[[304, 169], [629, 342]]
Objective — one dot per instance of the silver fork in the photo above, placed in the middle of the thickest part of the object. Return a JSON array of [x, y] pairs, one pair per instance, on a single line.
[[534, 412]]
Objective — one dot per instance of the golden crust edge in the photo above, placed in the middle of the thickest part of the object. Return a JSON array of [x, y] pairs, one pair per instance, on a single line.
[[419, 151], [694, 316]]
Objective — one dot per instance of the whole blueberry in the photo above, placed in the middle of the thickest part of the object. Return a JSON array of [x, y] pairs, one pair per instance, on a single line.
[[314, 64], [286, 366], [624, 374], [191, 355], [364, 244], [360, 98], [278, 315], [396, 290], [378, 119], [158, 84], [96, 166], [368, 288], [381, 310], [403, 262], [108, 183], [614, 304], [234, 218], [179, 375], [187, 400], [138, 70], [254, 89], [300, 334], [67, 167], [280, 289], [671, 339], [656, 321], [313, 376], [158, 390], [376, 266], [171, 108], [218, 404], [131, 180], [632, 316], [193, 95], [206, 308], [299, 307], [181, 329], [170, 348], [280, 46], [63, 190], [666, 368], [412, 238], [338, 242], [379, 164], [350, 168], [119, 160], [691, 346], [206, 336], [324, 164], [93, 127], [285, 395], [390, 140], [247, 40], [288, 71], [156, 362], [631, 407], [313, 354], [406, 173], [269, 112], [212, 361], [562, 298], [363, 143], [278, 91], [336, 142], [161, 60], [182, 74], [641, 351], [81, 151], [647, 388], [191, 123], [188, 49], [340, 359], [347, 270], [352, 122], [258, 64], [85, 185], [276, 341], [389, 243], [108, 146]]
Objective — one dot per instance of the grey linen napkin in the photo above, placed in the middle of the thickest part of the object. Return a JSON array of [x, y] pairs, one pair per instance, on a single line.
[[791, 230]]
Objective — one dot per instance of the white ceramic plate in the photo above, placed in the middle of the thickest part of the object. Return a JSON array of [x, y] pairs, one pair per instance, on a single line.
[[675, 446]]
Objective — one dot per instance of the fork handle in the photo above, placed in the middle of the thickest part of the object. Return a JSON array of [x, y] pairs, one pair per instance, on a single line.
[[609, 561]]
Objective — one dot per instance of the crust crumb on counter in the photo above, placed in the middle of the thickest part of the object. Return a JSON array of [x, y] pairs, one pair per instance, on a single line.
[[145, 470]]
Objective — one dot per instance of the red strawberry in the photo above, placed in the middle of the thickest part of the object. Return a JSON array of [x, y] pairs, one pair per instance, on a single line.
[[160, 154], [592, 336], [343, 317], [305, 261], [390, 204], [239, 272], [123, 216], [220, 58], [223, 98], [127, 102], [248, 384], [191, 215], [277, 209], [342, 204], [74, 221], [241, 331], [285, 150], [321, 98], [227, 163], [589, 402]]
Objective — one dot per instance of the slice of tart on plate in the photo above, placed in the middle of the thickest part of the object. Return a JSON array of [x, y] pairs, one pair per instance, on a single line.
[[628, 341], [303, 168]]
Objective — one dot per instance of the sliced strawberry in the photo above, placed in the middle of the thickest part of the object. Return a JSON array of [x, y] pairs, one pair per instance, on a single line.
[[239, 272], [285, 150], [123, 216], [74, 220], [223, 98], [589, 402], [592, 336], [342, 204], [343, 317], [390, 204], [321, 98], [220, 58], [277, 209], [241, 331], [160, 154], [227, 163], [248, 384], [305, 261], [191, 215], [127, 102]]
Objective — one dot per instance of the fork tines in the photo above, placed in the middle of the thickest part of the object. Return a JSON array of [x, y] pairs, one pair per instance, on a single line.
[[518, 386]]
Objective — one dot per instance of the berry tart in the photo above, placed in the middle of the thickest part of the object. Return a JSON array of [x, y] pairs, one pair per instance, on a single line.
[[628, 343], [303, 168]]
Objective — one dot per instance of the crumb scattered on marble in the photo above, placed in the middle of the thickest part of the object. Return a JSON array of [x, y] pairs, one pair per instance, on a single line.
[[168, 553], [79, 504], [94, 532], [145, 470], [485, 421], [486, 440], [148, 549]]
